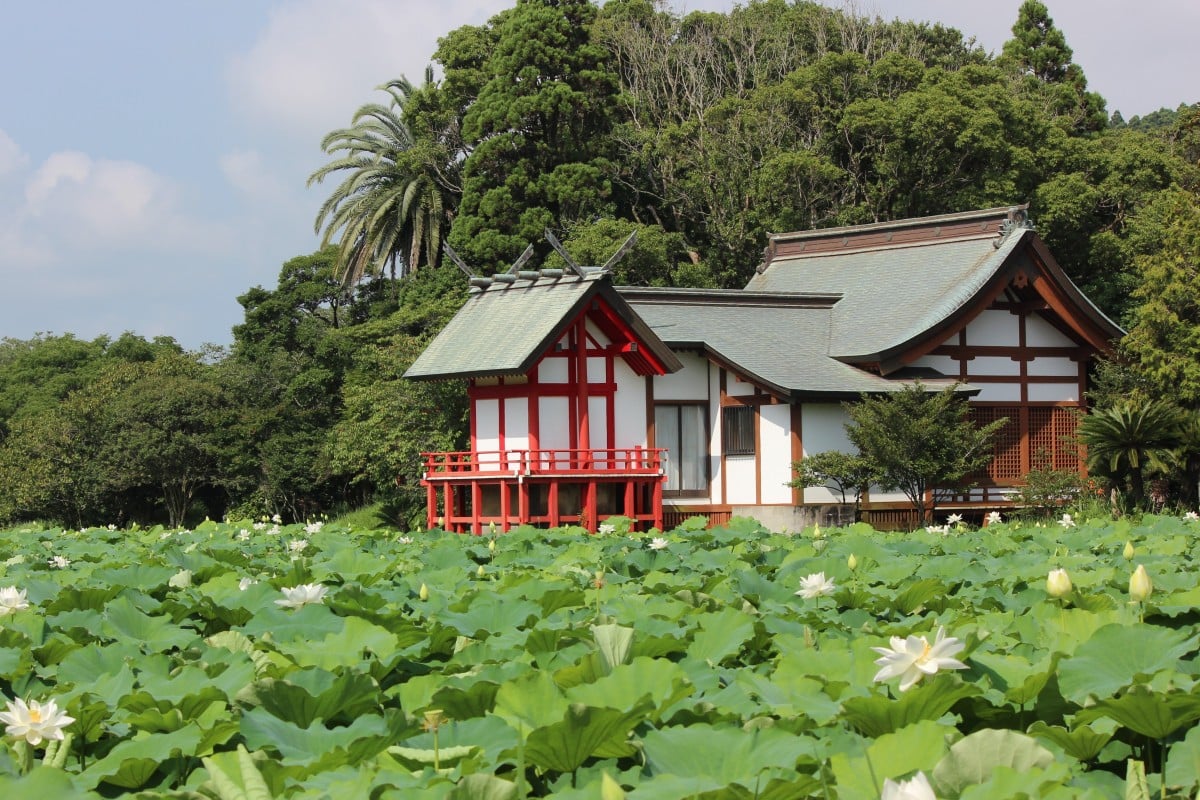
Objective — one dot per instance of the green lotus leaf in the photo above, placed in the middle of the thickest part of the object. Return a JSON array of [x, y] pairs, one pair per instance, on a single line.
[[860, 774], [350, 564], [123, 620], [490, 613], [720, 634], [235, 775], [281, 625], [1145, 711], [1008, 782], [343, 648], [1117, 656], [664, 682], [466, 702], [530, 702], [45, 782], [1018, 680], [1183, 763], [584, 731], [132, 763], [1082, 742], [416, 758], [876, 715], [478, 786], [715, 757], [614, 643], [318, 747], [1136, 785], [974, 758], [310, 694]]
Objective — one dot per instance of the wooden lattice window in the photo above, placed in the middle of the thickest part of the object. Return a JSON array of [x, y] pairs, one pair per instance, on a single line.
[[737, 430], [1052, 442], [1006, 448]]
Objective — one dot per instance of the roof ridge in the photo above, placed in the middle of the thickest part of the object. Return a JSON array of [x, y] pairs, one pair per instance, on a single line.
[[908, 222]]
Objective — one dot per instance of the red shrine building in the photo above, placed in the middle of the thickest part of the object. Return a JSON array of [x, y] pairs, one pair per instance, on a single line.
[[590, 401]]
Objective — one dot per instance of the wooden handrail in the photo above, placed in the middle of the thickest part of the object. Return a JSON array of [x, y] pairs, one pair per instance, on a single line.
[[547, 461]]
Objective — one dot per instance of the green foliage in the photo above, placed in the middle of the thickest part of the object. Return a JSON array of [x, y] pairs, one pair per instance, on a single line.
[[1131, 440], [538, 125], [920, 441], [395, 202], [657, 258], [847, 472], [1045, 491]]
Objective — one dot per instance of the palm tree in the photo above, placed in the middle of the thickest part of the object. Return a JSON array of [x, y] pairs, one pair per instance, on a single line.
[[1130, 438], [393, 205]]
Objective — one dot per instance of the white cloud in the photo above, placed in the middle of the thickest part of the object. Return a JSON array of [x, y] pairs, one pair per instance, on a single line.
[[11, 157], [246, 172], [317, 62]]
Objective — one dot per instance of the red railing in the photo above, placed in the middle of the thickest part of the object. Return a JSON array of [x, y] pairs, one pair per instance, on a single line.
[[557, 461]]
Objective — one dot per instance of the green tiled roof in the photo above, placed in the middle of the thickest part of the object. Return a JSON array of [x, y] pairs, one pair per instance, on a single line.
[[780, 341], [504, 328], [892, 294]]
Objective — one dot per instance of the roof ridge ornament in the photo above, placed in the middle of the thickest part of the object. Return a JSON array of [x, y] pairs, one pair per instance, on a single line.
[[1018, 219]]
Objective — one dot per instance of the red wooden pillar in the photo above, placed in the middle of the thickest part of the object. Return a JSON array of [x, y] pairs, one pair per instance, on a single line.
[[658, 508], [584, 441], [448, 505], [476, 504], [590, 512], [430, 506], [522, 502], [505, 506], [552, 502], [630, 509]]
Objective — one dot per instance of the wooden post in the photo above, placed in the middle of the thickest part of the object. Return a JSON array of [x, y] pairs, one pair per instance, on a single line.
[[430, 505], [505, 506]]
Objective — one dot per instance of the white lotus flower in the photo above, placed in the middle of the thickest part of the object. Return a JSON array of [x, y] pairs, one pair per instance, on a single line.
[[243, 535], [1066, 521], [913, 658], [12, 600], [246, 583], [34, 722], [404, 540], [278, 520], [297, 546], [658, 543], [302, 595], [954, 519], [1191, 516], [258, 526], [915, 788], [942, 529], [1058, 583], [59, 562], [314, 527], [993, 518], [112, 527], [606, 528], [816, 585]]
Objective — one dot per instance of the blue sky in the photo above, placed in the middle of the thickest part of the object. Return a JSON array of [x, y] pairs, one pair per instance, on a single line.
[[153, 155]]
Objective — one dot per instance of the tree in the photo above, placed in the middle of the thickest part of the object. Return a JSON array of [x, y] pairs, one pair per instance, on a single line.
[[393, 206], [1130, 439], [848, 472], [538, 127], [657, 258], [920, 442], [1164, 334]]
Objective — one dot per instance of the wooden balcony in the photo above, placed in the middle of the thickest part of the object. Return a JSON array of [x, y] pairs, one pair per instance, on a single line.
[[467, 491]]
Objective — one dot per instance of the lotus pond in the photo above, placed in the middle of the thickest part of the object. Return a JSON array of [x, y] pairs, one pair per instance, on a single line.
[[562, 664]]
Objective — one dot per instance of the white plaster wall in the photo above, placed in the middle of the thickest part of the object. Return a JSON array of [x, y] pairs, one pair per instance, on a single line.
[[997, 392], [1040, 333], [598, 423], [487, 430], [689, 383], [775, 453], [629, 405], [739, 479], [737, 388], [821, 429], [991, 365], [1047, 365], [596, 371], [1053, 392], [552, 370], [516, 423], [553, 428], [994, 327]]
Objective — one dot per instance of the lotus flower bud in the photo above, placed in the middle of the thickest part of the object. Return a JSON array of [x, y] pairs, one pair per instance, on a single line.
[[1058, 583], [491, 529], [1140, 586], [424, 593], [491, 545], [479, 572], [852, 562], [1128, 551]]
